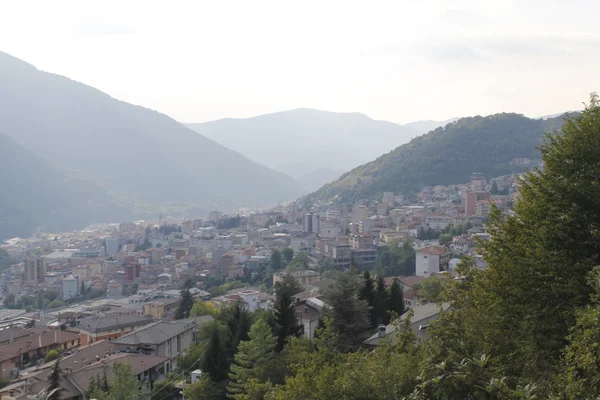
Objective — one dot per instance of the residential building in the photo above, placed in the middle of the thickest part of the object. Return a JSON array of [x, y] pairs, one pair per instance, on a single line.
[[70, 286], [93, 329], [163, 338], [19, 353], [432, 259], [340, 254], [365, 258], [439, 222], [309, 313], [471, 199], [422, 316], [214, 216], [361, 241], [127, 227], [160, 307], [311, 223], [483, 209], [303, 242], [304, 278], [35, 269]]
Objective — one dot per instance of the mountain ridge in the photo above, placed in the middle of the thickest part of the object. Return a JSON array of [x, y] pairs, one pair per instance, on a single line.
[[153, 157], [444, 156]]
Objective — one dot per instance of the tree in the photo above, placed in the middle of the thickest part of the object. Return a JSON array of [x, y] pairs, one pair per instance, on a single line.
[[52, 355], [54, 386], [82, 289], [431, 289], [284, 315], [276, 260], [396, 298], [165, 389], [214, 357], [204, 308], [367, 293], [350, 320], [104, 383], [288, 254], [186, 302], [255, 361], [238, 322], [9, 301], [123, 385], [445, 239], [381, 302], [205, 389], [494, 189], [298, 263]]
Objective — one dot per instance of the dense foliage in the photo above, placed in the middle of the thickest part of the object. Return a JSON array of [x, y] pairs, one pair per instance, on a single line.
[[445, 156]]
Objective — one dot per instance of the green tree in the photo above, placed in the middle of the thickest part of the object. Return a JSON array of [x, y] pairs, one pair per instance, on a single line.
[[52, 355], [396, 299], [431, 289], [54, 386], [204, 308], [122, 386], [381, 302], [445, 239], [350, 319], [276, 261], [237, 321], [494, 189], [256, 360], [205, 389], [186, 302], [214, 354], [284, 314], [165, 389], [82, 289], [288, 254], [9, 301]]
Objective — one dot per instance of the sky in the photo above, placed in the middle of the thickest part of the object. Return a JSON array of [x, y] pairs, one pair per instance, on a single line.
[[402, 60]]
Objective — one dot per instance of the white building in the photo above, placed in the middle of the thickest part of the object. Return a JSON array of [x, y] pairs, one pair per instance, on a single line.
[[70, 286], [432, 259], [250, 297]]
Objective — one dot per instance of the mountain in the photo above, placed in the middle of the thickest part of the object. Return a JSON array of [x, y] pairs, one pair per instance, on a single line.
[[303, 142], [428, 125], [132, 150], [445, 156], [37, 194]]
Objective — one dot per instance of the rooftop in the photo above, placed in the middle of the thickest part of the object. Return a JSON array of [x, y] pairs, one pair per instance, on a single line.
[[433, 250], [100, 324]]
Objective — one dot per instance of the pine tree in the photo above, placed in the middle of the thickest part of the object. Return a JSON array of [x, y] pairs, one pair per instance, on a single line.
[[367, 293], [82, 290], [104, 384], [276, 260], [185, 304], [54, 381], [285, 319], [381, 302], [254, 362], [349, 313], [214, 357], [238, 325], [396, 298]]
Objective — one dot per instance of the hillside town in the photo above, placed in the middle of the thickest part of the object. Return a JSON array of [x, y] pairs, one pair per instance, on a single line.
[[115, 292]]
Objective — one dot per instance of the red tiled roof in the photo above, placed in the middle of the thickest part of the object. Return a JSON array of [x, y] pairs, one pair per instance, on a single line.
[[433, 250]]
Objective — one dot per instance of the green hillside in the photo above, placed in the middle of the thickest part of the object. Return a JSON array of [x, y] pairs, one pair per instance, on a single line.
[[37, 194], [445, 156]]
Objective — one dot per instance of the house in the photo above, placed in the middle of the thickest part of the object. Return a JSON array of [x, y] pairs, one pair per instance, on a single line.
[[303, 242], [162, 338], [21, 352], [422, 316], [304, 278], [78, 369], [93, 329], [159, 307], [309, 313], [431, 259]]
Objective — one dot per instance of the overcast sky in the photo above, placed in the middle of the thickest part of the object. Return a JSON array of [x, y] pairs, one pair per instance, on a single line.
[[400, 60]]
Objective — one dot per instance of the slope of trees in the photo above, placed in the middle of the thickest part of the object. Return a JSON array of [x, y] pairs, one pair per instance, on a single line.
[[445, 156]]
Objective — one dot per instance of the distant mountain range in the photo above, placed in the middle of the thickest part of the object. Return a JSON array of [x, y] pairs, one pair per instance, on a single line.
[[37, 194], [312, 146], [128, 149], [444, 156]]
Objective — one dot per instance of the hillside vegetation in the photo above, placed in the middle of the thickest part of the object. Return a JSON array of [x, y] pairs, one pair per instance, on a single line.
[[444, 156]]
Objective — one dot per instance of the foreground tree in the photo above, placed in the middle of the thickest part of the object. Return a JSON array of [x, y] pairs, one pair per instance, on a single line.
[[349, 314], [285, 321], [122, 386], [186, 302], [255, 363], [54, 386], [396, 298]]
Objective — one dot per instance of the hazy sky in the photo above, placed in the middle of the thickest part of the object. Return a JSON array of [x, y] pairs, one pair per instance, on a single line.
[[401, 60]]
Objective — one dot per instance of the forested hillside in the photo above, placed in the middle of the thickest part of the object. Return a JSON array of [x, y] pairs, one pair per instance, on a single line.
[[445, 156]]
